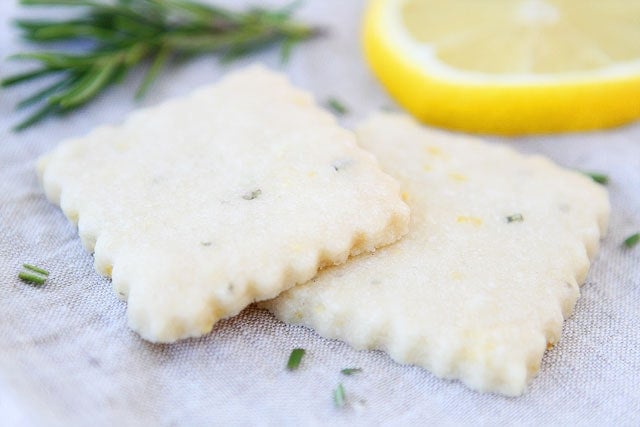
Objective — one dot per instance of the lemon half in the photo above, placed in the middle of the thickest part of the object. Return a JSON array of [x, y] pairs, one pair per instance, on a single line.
[[509, 66]]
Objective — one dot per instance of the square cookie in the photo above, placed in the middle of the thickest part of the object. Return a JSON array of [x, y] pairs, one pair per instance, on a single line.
[[479, 287], [202, 205]]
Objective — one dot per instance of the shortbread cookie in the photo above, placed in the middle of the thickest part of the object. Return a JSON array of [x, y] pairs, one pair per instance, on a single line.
[[478, 289], [202, 205]]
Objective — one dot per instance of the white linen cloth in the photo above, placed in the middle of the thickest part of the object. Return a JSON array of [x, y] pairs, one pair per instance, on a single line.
[[67, 356]]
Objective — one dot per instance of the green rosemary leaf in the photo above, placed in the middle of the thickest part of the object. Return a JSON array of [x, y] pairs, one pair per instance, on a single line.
[[202, 12], [58, 60], [158, 63], [337, 107], [24, 77], [33, 274], [47, 110], [196, 43], [598, 177], [35, 269], [351, 371], [136, 25], [339, 396], [59, 3], [120, 74], [35, 25], [45, 31], [89, 86], [295, 358], [44, 93], [632, 240], [31, 278], [246, 46], [287, 47], [56, 33], [134, 54]]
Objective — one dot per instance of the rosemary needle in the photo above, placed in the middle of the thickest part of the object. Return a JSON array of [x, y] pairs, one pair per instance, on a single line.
[[632, 240], [600, 178], [31, 278], [123, 34], [295, 358], [339, 396], [33, 274], [350, 371], [35, 269], [337, 107]]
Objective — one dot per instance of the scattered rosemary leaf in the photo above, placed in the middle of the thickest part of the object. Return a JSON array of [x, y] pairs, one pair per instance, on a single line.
[[32, 278], [600, 178], [295, 358], [252, 195], [337, 107], [286, 48], [515, 218], [33, 274], [350, 371], [35, 269], [632, 240], [338, 396]]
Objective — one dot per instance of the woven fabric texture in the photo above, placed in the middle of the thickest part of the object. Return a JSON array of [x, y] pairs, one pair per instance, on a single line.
[[67, 356]]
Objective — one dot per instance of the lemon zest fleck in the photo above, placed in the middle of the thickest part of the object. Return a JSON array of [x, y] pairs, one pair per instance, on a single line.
[[473, 220]]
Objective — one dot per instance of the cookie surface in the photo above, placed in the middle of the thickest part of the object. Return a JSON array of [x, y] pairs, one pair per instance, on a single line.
[[497, 246], [202, 205]]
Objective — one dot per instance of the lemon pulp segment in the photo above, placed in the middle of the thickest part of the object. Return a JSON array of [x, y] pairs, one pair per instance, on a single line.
[[509, 66]]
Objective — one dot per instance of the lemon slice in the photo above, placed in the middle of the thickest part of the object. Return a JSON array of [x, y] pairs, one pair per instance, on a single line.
[[509, 66]]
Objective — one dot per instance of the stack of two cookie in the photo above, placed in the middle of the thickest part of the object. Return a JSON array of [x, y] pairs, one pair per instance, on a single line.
[[452, 254]]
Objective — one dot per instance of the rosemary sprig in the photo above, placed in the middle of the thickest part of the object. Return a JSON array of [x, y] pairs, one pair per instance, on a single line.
[[123, 34]]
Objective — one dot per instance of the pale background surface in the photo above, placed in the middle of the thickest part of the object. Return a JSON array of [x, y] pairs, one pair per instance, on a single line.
[[67, 356]]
